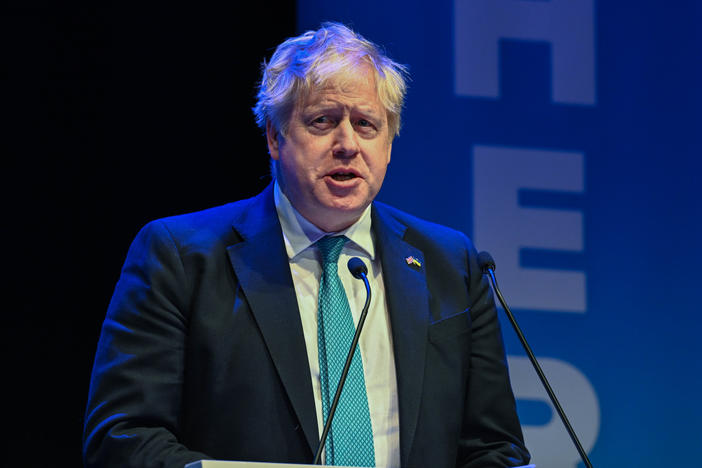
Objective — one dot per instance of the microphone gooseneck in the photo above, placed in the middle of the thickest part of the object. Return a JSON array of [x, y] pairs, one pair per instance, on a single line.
[[359, 271], [487, 266]]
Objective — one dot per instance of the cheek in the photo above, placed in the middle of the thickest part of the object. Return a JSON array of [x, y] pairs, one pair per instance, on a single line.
[[292, 169], [381, 175], [299, 171], [382, 158]]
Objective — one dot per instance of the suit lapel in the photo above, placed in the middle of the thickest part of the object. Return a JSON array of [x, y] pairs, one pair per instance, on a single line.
[[408, 305], [261, 266]]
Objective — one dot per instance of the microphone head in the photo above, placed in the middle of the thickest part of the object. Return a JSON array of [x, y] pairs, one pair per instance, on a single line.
[[486, 262], [357, 267]]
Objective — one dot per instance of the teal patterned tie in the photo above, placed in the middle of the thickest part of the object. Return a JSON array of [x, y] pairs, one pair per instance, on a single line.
[[350, 440]]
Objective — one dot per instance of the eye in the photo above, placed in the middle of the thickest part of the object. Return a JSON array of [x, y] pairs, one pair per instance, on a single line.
[[366, 127], [322, 120], [322, 123]]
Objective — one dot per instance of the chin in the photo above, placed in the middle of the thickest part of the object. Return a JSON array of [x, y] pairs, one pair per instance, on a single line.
[[347, 206], [340, 216]]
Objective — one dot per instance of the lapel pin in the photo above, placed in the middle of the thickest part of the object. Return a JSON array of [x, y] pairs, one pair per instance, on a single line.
[[413, 261]]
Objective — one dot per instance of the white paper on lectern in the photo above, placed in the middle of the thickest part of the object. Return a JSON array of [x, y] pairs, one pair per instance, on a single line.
[[234, 464]]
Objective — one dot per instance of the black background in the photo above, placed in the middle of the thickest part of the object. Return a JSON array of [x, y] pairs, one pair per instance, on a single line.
[[114, 114]]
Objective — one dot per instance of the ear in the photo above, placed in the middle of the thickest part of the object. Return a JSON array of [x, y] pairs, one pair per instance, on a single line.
[[389, 151], [272, 137]]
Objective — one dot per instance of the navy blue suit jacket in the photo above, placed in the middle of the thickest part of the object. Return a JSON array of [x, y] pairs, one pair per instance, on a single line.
[[202, 353]]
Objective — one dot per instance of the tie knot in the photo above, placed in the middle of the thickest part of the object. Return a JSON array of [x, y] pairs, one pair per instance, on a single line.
[[330, 247]]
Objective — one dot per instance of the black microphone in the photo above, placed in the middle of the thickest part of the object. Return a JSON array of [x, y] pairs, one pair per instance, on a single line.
[[357, 268], [359, 271], [487, 265]]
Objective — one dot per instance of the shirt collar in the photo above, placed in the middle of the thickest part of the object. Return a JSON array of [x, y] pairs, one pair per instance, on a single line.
[[299, 233]]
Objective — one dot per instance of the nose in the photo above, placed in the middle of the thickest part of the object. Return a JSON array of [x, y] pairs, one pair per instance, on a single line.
[[345, 140]]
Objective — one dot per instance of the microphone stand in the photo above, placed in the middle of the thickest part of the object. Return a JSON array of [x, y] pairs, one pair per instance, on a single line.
[[345, 371], [488, 267]]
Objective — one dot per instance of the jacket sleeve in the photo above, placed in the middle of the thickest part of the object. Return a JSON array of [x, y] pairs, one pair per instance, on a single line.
[[491, 435], [133, 411]]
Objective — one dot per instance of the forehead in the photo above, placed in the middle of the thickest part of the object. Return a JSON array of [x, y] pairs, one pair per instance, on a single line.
[[355, 88]]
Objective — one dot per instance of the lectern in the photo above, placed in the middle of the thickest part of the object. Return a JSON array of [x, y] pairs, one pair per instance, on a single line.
[[234, 464]]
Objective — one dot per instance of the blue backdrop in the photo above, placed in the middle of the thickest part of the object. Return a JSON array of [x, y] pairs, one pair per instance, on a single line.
[[563, 136]]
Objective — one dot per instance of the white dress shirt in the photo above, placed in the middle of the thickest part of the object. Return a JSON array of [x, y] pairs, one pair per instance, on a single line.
[[376, 339]]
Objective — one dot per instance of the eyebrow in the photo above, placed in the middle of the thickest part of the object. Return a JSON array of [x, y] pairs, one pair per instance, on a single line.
[[332, 105]]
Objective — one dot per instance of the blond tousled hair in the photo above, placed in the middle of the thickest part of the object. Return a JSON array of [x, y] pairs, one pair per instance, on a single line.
[[312, 59]]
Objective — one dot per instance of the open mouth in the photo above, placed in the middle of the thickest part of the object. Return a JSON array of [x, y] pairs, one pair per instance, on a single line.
[[340, 176]]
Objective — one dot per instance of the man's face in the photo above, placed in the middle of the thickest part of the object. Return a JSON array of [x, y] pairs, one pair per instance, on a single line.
[[332, 162]]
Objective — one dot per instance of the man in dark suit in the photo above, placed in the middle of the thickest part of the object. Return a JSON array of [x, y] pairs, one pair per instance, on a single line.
[[213, 345]]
